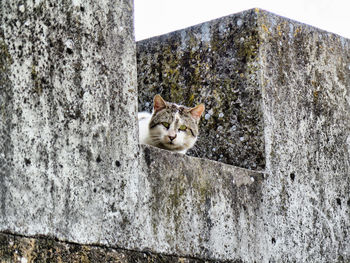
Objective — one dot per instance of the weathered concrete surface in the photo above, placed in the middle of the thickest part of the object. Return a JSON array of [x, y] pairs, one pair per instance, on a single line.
[[295, 85], [21, 249], [198, 207], [305, 82], [71, 167], [215, 63], [67, 119]]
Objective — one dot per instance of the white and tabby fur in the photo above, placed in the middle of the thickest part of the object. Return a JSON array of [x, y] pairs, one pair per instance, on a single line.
[[153, 132]]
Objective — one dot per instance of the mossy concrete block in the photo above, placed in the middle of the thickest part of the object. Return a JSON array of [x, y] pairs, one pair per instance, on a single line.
[[215, 63], [305, 83], [68, 130], [277, 95], [277, 99], [197, 207]]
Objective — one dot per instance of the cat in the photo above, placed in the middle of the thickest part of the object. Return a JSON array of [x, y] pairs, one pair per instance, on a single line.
[[171, 127]]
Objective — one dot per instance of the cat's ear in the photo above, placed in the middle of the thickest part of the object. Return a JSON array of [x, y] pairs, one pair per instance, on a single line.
[[197, 111], [158, 103]]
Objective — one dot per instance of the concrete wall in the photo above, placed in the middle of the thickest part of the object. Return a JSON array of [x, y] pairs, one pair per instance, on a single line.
[[215, 63], [68, 123], [305, 82], [71, 168], [285, 88], [197, 207]]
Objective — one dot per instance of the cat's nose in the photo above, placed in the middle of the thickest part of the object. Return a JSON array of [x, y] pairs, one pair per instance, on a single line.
[[172, 137]]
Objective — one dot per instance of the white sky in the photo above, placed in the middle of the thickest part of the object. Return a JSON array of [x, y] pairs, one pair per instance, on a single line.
[[157, 17]]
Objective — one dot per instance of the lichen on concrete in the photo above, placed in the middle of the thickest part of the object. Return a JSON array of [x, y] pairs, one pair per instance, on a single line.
[[209, 196], [71, 167], [306, 87], [277, 98], [68, 123], [215, 63]]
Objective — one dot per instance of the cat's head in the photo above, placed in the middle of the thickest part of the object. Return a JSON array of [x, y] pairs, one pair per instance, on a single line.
[[174, 127]]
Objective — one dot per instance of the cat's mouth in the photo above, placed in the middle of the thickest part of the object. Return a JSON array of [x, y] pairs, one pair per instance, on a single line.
[[167, 141], [171, 144]]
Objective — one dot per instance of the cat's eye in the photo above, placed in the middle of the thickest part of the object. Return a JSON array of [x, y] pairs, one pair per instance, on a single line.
[[166, 124], [183, 128]]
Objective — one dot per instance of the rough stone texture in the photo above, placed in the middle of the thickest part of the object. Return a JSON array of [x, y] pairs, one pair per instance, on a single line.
[[295, 88], [215, 63], [21, 249], [305, 82], [197, 207], [67, 123], [70, 166]]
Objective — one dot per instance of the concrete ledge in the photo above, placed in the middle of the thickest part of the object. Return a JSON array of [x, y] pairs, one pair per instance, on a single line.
[[176, 205], [198, 207]]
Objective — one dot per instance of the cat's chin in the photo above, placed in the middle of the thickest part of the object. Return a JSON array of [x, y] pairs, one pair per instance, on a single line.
[[172, 147]]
